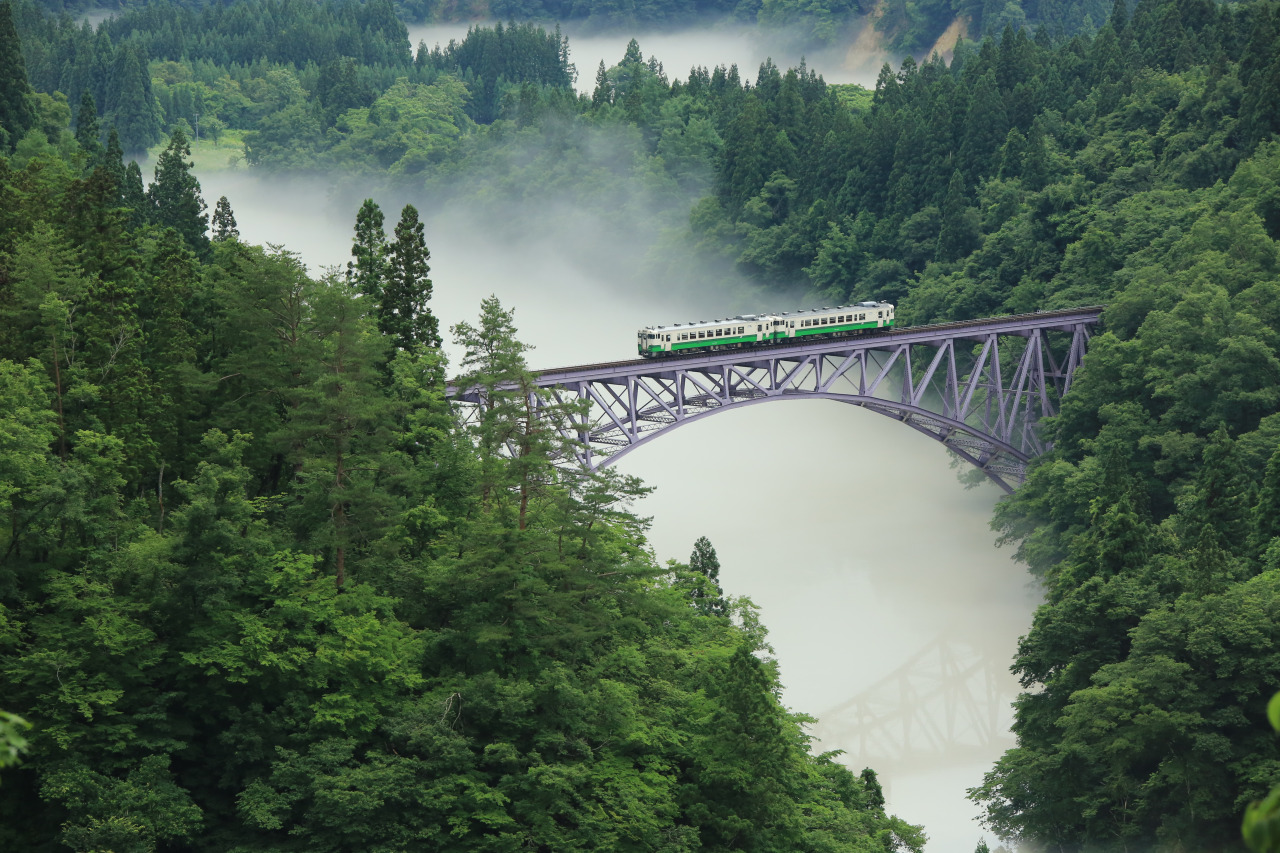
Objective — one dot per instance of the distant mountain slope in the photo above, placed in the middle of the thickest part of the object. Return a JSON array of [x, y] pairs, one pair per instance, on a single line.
[[916, 26]]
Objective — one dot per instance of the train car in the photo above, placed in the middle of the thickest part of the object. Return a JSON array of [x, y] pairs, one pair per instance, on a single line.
[[751, 330]]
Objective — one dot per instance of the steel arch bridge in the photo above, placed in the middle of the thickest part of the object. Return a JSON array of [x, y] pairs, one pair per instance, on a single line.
[[979, 387]]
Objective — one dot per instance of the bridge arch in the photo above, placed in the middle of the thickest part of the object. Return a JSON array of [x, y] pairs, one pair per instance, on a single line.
[[959, 437], [979, 387]]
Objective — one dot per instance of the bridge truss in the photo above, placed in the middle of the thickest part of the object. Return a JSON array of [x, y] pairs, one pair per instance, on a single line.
[[980, 387]]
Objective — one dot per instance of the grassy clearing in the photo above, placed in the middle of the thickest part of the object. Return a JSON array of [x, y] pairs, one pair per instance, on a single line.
[[211, 158]]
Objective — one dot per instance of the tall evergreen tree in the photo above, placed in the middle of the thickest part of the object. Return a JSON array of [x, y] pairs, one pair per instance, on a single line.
[[88, 132], [175, 195], [133, 111], [875, 793], [134, 198], [16, 114], [745, 785], [224, 221], [959, 234], [113, 161], [367, 272], [403, 312], [603, 92], [708, 599], [341, 429]]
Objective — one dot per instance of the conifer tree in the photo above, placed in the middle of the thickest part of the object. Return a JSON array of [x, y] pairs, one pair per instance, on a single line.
[[704, 561], [342, 428], [959, 233], [88, 132], [224, 221], [134, 198], [113, 161], [603, 92], [96, 223], [368, 271], [875, 793], [747, 774], [403, 312], [175, 195], [16, 114], [134, 109], [519, 436]]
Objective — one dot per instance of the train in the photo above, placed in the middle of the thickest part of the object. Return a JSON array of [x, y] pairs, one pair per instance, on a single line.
[[752, 330]]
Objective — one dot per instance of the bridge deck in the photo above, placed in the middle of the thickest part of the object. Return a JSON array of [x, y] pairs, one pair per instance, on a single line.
[[1047, 320], [953, 382]]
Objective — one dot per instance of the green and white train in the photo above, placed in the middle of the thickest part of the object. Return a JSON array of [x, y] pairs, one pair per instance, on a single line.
[[751, 330]]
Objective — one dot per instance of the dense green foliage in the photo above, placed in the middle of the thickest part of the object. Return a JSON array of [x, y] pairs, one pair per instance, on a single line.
[[1261, 825], [907, 24], [1138, 168], [260, 590]]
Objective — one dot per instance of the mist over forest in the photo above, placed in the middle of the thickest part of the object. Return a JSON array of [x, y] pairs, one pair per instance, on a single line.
[[261, 588]]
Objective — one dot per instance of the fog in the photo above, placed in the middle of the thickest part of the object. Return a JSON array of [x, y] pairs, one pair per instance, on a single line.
[[852, 61], [860, 547]]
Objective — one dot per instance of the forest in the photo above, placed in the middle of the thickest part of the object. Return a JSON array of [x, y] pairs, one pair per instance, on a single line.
[[909, 25], [259, 591]]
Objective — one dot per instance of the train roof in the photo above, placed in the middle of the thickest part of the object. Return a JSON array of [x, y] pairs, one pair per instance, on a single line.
[[751, 318]]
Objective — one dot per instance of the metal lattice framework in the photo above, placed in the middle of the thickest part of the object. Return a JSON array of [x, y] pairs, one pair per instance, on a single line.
[[948, 704], [979, 387]]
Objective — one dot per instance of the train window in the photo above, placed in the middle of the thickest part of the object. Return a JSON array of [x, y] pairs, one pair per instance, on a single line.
[[759, 327], [879, 313], [700, 335]]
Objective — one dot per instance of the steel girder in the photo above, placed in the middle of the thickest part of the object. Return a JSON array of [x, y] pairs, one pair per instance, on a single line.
[[980, 388]]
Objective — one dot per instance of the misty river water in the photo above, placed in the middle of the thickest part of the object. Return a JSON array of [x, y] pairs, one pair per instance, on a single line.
[[892, 613]]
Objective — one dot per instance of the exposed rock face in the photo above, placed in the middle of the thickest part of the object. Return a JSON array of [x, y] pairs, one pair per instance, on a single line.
[[946, 43]]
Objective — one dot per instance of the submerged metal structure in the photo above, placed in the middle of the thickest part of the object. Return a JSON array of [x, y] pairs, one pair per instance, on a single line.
[[978, 387]]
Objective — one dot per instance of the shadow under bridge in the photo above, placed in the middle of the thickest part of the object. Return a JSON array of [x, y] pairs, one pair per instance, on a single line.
[[979, 387]]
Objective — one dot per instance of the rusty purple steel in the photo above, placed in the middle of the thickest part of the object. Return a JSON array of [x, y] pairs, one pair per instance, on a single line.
[[979, 387]]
